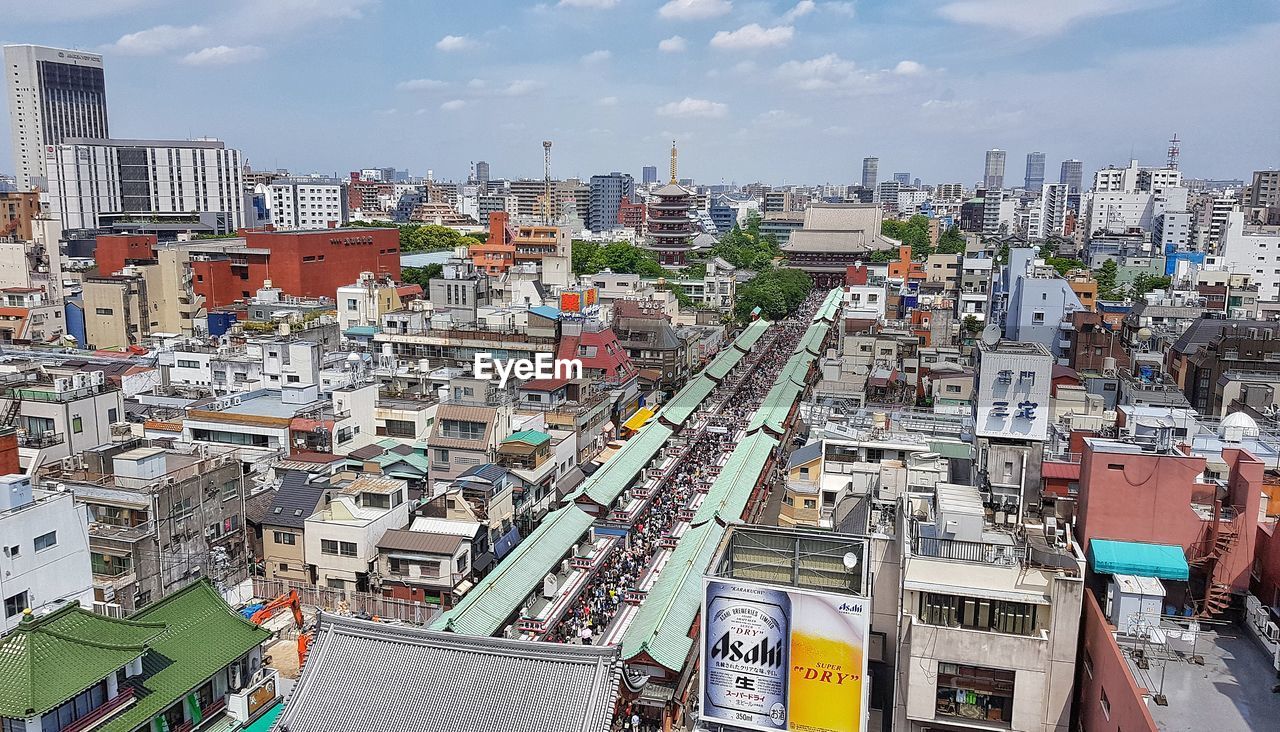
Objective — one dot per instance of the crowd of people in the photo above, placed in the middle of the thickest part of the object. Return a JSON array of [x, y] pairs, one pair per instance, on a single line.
[[736, 400]]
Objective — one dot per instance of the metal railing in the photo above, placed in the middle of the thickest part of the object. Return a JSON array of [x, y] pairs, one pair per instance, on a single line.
[[331, 599], [969, 551]]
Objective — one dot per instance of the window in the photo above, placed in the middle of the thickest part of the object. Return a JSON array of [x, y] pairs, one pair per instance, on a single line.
[[15, 604], [44, 541], [974, 692], [77, 425], [1013, 618], [284, 567], [336, 584], [1037, 318], [1106, 703], [188, 364], [953, 388], [104, 311], [462, 430], [287, 538], [804, 473], [375, 500], [329, 546], [810, 503]]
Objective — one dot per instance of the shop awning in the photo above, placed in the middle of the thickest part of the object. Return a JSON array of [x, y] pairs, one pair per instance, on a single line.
[[639, 419], [1163, 561]]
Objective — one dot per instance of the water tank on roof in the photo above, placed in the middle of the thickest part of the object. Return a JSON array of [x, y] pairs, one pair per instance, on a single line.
[[1237, 426]]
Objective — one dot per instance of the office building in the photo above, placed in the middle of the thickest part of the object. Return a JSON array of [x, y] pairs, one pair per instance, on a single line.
[[306, 203], [607, 191], [1034, 178], [870, 171], [648, 174], [993, 177], [1072, 174], [154, 185], [54, 94]]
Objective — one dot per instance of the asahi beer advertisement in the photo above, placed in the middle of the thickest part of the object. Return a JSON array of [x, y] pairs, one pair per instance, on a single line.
[[783, 658]]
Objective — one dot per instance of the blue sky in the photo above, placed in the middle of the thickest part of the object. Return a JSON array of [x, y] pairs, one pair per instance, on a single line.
[[789, 91]]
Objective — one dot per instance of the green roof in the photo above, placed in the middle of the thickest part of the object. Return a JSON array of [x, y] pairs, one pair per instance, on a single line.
[[687, 400], [1163, 561], [661, 626], [532, 437], [813, 338], [47, 660], [485, 609], [732, 487], [751, 334], [363, 330], [724, 363], [201, 635], [950, 449], [606, 484]]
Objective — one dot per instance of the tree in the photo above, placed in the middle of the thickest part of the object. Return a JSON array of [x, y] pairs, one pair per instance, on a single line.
[[880, 256], [746, 247], [971, 324], [617, 256], [421, 275], [1105, 276], [777, 292], [1146, 282], [952, 241], [1064, 264], [914, 232]]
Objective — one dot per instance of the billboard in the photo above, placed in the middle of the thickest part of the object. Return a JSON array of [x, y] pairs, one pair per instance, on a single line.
[[782, 658]]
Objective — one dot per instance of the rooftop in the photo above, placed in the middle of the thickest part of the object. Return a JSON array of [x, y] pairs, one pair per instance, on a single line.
[[357, 671]]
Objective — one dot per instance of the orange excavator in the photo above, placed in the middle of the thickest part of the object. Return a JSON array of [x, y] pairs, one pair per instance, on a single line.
[[287, 600]]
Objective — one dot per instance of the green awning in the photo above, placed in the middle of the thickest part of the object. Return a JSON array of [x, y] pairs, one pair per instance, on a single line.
[[264, 723], [1163, 561]]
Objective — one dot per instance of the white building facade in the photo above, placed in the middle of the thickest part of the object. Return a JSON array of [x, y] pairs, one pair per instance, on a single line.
[[44, 557], [306, 203]]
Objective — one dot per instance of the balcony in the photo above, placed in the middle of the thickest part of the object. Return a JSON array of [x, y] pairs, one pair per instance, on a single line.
[[41, 440], [109, 707]]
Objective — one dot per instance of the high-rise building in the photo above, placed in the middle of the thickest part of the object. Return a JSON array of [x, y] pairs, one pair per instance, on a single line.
[[993, 177], [1053, 210], [54, 94], [307, 203], [1264, 192], [648, 174], [1072, 174], [870, 172], [607, 191], [1034, 178], [96, 183], [902, 179], [482, 173]]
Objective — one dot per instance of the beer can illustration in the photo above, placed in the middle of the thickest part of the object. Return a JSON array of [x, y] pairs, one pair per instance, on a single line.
[[746, 650]]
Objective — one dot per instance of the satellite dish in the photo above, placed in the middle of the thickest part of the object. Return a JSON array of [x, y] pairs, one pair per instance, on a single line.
[[991, 335], [850, 561]]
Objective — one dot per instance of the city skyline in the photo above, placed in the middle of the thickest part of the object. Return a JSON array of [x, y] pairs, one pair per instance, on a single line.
[[753, 91]]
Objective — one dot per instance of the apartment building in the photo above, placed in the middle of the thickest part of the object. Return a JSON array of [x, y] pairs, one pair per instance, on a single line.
[[44, 551], [341, 540], [297, 498], [306, 203]]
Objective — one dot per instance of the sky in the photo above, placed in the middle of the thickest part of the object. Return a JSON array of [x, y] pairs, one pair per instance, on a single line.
[[782, 92]]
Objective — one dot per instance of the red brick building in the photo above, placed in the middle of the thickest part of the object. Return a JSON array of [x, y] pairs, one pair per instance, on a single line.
[[300, 263], [114, 251]]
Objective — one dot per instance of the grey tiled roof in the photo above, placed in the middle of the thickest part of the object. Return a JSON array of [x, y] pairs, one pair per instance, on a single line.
[[365, 676], [295, 500]]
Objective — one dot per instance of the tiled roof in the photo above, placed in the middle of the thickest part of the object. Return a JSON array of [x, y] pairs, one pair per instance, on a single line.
[[751, 334], [732, 488], [606, 484], [294, 501], [724, 363], [202, 634], [687, 400], [532, 437], [48, 660], [660, 628], [806, 454], [364, 676], [1060, 471]]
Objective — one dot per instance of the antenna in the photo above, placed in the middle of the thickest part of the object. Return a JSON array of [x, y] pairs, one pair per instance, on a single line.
[[1174, 150], [546, 175], [673, 163]]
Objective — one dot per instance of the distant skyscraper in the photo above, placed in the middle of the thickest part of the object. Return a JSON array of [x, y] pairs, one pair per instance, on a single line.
[[648, 174], [54, 94], [870, 172], [1034, 178], [607, 191], [902, 178], [1072, 174], [994, 175], [482, 173]]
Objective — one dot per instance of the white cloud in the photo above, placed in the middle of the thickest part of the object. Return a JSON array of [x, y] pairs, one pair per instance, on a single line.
[[155, 40], [477, 84], [694, 9], [455, 43], [520, 87], [594, 4], [674, 44], [909, 68], [596, 57], [781, 119], [607, 102], [825, 72], [802, 8], [753, 36], [1037, 17], [421, 85], [278, 18], [846, 9], [453, 105], [690, 107], [223, 55]]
